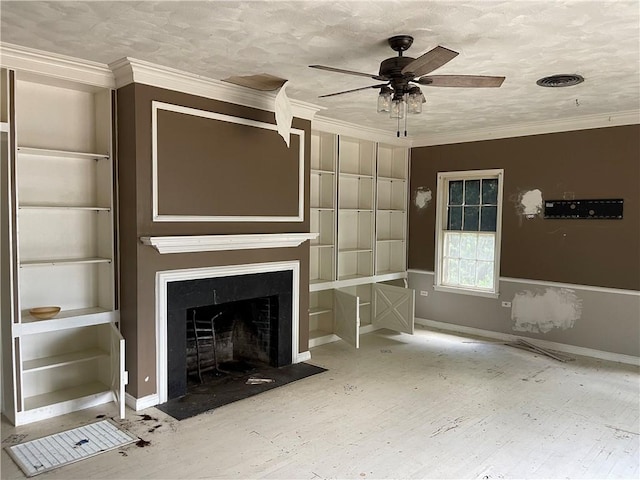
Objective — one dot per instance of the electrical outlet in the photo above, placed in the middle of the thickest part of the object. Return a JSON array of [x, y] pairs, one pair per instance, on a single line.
[[424, 293], [506, 304]]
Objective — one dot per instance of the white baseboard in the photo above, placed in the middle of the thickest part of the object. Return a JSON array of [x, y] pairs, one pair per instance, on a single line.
[[303, 356], [138, 404], [561, 347], [329, 338]]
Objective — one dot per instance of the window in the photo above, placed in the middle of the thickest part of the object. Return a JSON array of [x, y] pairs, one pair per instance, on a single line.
[[468, 221]]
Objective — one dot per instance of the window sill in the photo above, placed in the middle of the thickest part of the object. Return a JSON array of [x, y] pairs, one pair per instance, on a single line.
[[466, 291]]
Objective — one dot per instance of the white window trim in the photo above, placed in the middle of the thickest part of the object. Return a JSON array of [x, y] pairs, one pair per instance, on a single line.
[[441, 218]]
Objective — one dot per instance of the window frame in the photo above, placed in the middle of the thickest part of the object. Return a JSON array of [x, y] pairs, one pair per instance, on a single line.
[[442, 193]]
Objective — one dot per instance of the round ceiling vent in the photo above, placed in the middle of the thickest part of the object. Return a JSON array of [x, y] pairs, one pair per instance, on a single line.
[[562, 80]]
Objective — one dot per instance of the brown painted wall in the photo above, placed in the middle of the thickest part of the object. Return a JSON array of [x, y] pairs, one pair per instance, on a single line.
[[588, 164], [219, 155], [140, 263]]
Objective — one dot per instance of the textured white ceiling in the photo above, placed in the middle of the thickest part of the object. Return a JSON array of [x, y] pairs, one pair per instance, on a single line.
[[522, 40]]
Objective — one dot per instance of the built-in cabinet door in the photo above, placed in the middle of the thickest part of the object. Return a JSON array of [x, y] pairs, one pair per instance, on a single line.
[[393, 307], [346, 317], [118, 374]]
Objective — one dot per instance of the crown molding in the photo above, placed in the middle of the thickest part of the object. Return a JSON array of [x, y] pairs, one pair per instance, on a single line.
[[56, 66], [617, 119], [130, 70], [331, 125]]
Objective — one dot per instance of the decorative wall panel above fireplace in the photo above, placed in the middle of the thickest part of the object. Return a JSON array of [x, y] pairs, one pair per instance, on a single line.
[[211, 167]]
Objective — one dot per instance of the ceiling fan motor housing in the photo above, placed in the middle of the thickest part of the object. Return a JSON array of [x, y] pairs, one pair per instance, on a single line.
[[391, 69]]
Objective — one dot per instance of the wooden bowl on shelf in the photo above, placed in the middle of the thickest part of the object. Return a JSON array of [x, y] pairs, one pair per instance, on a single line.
[[44, 313]]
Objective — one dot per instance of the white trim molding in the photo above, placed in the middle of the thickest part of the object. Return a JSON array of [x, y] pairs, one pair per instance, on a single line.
[[561, 347], [614, 119], [130, 70], [546, 283], [442, 202], [137, 404], [163, 278], [338, 127], [159, 217], [57, 66], [216, 243]]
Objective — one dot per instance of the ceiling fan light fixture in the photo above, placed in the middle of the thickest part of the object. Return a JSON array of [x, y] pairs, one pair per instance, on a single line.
[[397, 108], [415, 99], [384, 100]]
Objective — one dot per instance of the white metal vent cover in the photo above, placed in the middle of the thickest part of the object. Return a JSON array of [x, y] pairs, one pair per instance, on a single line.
[[54, 451]]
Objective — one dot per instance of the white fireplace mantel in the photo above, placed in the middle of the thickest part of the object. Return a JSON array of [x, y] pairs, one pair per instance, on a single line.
[[213, 243]]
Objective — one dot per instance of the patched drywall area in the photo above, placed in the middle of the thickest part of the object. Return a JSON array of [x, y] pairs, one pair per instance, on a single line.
[[422, 198], [541, 312], [530, 203]]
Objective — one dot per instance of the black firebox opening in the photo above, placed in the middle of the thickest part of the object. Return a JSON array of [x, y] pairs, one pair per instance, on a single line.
[[231, 338], [250, 317]]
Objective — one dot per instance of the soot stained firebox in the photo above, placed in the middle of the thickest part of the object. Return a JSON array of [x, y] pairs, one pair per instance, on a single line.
[[213, 323], [222, 338]]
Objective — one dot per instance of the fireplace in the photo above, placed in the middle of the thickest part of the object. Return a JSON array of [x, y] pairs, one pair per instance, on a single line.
[[252, 310], [249, 314], [232, 337]]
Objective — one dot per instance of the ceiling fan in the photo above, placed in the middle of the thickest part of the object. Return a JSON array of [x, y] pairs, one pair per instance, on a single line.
[[402, 75]]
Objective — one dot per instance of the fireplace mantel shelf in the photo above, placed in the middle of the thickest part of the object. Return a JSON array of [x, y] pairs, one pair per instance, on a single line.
[[213, 243]]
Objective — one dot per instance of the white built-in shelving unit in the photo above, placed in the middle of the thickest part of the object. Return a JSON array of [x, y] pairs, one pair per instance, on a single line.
[[391, 211], [60, 179], [356, 217], [323, 206], [359, 209]]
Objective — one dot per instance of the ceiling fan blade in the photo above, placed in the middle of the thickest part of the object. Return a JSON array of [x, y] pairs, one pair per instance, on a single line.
[[354, 90], [468, 81], [429, 61], [348, 72]]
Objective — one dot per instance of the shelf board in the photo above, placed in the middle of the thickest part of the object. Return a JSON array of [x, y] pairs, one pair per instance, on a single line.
[[390, 272], [358, 210], [319, 171], [322, 245], [63, 207], [354, 277], [356, 175], [391, 179], [55, 361], [63, 261], [319, 311], [390, 210], [355, 250], [65, 395], [79, 312], [44, 152], [318, 281], [390, 240], [323, 209]]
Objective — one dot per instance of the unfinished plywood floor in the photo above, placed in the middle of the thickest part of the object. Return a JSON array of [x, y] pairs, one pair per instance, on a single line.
[[432, 405]]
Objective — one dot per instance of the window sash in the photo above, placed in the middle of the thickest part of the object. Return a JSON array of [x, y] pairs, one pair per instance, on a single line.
[[486, 270], [468, 260]]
